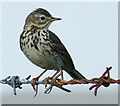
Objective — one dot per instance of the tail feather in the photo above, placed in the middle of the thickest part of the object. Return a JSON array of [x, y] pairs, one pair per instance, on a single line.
[[76, 75]]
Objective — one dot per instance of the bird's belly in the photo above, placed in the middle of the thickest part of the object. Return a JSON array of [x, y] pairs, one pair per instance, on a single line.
[[44, 58]]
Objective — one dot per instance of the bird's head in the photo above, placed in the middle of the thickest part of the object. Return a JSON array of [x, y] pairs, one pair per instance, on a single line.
[[39, 18]]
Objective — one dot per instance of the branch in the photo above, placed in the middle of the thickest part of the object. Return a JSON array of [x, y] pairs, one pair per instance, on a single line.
[[104, 79]]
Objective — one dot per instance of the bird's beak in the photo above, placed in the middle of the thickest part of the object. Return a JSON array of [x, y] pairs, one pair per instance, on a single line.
[[55, 19]]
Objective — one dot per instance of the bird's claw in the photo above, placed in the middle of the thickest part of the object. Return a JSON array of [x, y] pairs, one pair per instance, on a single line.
[[53, 82], [36, 90], [34, 85], [46, 81], [49, 89]]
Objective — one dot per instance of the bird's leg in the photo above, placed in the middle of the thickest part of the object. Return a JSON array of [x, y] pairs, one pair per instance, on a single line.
[[62, 75], [55, 74], [48, 90], [51, 78], [54, 78], [33, 82], [46, 80]]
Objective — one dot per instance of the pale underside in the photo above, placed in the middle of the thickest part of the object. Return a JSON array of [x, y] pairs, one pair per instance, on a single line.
[[42, 57]]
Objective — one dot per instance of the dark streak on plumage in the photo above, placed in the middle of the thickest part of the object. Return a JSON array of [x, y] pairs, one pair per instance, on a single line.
[[34, 30], [46, 39], [36, 47], [23, 37], [24, 44], [27, 32], [39, 33], [51, 46], [47, 44], [44, 31], [21, 44], [32, 38], [28, 39], [35, 36], [47, 36], [43, 46], [49, 52], [34, 41], [31, 45], [40, 43], [28, 46], [42, 34], [43, 53]]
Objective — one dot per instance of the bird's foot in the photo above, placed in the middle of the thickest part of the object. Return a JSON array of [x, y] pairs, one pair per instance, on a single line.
[[49, 80], [54, 81], [34, 83]]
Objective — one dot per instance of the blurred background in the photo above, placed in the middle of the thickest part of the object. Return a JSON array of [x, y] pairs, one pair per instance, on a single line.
[[89, 30]]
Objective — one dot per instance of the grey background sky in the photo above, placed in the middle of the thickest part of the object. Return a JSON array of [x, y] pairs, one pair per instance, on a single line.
[[89, 32]]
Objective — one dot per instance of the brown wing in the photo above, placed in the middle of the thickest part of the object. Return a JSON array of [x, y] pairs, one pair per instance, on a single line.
[[61, 50]]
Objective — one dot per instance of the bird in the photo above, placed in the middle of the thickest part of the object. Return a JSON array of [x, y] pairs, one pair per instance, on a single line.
[[43, 47]]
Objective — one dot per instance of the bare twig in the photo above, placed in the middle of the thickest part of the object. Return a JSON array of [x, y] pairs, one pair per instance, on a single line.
[[104, 79]]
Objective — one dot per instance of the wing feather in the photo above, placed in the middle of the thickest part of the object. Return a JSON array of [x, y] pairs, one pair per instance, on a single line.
[[61, 50]]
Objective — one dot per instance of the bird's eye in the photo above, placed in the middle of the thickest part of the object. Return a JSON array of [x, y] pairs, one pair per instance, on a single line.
[[42, 18]]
